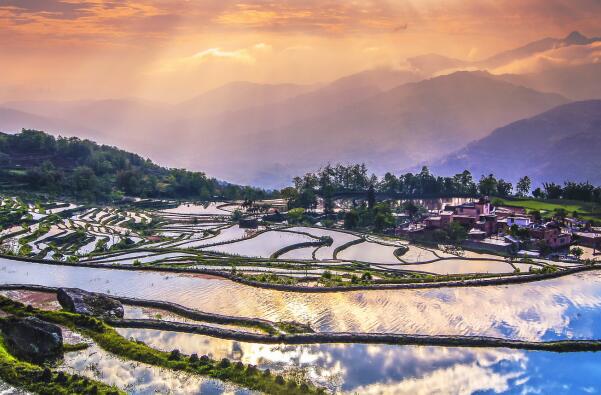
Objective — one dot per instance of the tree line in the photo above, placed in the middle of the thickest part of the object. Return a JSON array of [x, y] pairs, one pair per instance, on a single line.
[[338, 180]]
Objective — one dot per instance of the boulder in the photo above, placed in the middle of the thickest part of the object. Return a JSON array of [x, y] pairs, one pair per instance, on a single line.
[[32, 339], [79, 301]]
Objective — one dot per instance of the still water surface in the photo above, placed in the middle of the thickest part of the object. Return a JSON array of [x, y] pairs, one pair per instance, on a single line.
[[567, 307], [384, 369]]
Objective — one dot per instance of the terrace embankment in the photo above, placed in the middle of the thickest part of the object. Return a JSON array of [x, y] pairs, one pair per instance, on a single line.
[[441, 281], [363, 338], [197, 315], [306, 336]]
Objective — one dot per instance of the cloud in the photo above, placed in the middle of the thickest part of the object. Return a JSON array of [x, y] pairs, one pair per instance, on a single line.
[[103, 20], [559, 57], [240, 55], [247, 55]]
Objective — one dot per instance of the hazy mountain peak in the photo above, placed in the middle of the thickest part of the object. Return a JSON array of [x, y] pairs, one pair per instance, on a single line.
[[576, 38]]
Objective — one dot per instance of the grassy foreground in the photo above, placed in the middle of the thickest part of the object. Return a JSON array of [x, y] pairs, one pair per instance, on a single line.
[[106, 337]]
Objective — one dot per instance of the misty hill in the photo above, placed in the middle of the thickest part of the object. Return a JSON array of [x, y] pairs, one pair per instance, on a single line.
[[394, 129], [39, 162], [562, 143], [237, 96], [386, 118], [106, 118], [578, 82], [329, 97], [433, 63], [11, 119], [545, 44]]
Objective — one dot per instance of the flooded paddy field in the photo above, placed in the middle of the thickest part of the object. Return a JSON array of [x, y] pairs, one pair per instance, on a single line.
[[86, 245], [567, 307], [384, 369]]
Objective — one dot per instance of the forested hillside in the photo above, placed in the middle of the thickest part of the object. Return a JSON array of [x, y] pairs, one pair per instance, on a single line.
[[36, 161]]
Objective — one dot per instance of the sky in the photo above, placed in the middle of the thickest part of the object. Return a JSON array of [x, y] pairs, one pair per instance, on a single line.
[[172, 50]]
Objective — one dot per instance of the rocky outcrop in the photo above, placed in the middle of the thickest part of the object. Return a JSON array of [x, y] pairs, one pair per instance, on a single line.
[[32, 339], [79, 301]]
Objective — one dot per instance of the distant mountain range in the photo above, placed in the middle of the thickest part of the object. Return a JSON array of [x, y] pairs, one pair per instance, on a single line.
[[264, 134], [433, 63], [557, 145]]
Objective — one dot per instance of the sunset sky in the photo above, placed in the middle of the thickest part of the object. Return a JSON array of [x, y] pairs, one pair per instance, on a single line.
[[170, 50]]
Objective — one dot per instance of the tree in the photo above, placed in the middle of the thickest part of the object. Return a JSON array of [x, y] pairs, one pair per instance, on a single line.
[[456, 233], [290, 195], [84, 181], [237, 215], [488, 185], [560, 214], [371, 197], [351, 219], [504, 188], [468, 187], [411, 209], [538, 193], [390, 183], [552, 190], [129, 181], [295, 215], [577, 252], [382, 216], [523, 186]]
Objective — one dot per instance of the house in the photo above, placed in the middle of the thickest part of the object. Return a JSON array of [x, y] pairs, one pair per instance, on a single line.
[[476, 234], [442, 220], [520, 222], [508, 211], [487, 223], [473, 209], [551, 234], [589, 239]]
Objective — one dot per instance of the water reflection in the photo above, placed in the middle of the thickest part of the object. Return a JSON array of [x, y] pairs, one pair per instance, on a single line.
[[138, 378], [383, 369], [7, 389], [567, 307]]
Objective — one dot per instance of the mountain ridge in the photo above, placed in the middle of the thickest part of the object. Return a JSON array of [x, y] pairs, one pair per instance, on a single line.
[[558, 144]]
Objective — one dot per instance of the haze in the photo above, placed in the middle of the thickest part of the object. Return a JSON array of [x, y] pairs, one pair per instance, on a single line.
[[168, 76]]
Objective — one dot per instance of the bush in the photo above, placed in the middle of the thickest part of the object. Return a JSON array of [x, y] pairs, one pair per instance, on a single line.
[[61, 378], [175, 355], [194, 358], [279, 380], [46, 375], [224, 363]]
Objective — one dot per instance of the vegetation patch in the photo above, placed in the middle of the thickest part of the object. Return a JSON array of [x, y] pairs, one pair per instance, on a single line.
[[106, 337], [43, 380]]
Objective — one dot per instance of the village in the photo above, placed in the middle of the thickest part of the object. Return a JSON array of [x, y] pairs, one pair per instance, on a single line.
[[509, 230]]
